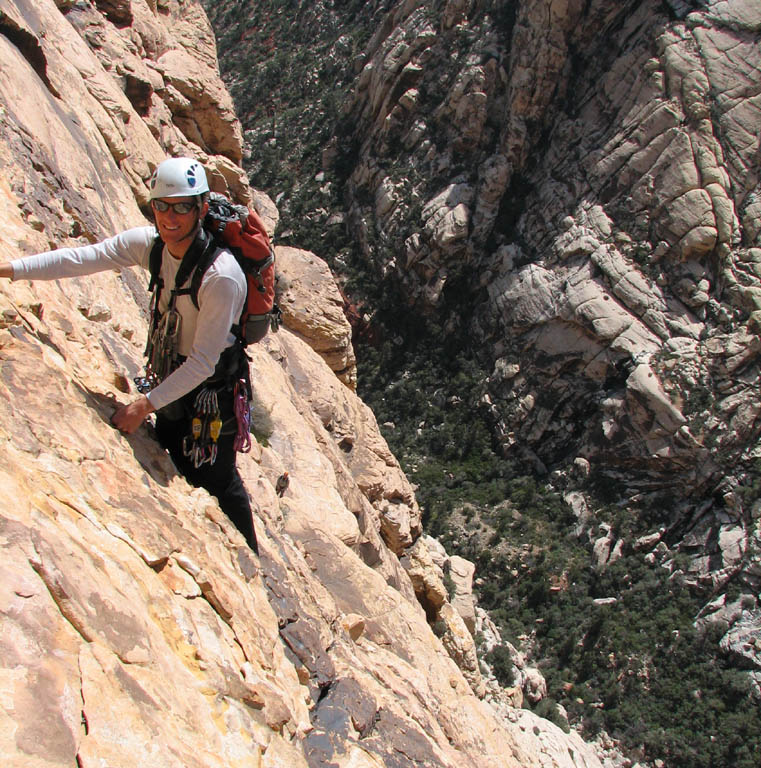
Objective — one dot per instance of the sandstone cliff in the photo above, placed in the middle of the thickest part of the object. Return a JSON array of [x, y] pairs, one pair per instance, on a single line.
[[137, 628]]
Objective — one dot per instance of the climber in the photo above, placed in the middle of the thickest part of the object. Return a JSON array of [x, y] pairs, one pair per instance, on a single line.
[[201, 361]]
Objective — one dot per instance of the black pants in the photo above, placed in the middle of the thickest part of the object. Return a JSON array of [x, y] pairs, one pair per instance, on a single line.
[[220, 479]]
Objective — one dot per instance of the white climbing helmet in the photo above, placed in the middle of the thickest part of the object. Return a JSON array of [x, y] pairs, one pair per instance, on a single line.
[[178, 177]]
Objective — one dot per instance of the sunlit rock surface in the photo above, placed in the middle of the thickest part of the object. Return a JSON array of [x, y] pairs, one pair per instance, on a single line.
[[137, 627]]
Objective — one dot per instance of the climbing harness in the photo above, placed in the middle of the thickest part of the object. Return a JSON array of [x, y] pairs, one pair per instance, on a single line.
[[201, 445], [242, 442]]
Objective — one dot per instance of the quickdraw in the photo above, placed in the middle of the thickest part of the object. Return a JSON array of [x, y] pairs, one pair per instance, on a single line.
[[200, 446], [162, 350]]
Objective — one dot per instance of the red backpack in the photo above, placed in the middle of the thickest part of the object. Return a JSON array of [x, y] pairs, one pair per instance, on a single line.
[[242, 232]]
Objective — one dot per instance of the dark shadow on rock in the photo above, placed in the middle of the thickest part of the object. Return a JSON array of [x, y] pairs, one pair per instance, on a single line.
[[301, 640]]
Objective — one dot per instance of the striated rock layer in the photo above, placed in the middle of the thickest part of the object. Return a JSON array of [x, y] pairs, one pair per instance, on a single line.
[[137, 627]]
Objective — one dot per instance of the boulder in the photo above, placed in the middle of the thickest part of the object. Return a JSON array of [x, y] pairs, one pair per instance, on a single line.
[[312, 307], [461, 572]]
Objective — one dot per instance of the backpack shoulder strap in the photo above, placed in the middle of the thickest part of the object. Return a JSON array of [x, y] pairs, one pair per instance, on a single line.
[[207, 257], [154, 264], [195, 261], [189, 261]]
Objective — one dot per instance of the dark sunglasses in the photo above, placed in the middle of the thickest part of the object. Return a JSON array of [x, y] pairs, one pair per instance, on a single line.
[[182, 208]]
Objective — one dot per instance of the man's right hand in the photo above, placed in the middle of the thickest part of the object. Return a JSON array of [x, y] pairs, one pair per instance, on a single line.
[[6, 270], [128, 418]]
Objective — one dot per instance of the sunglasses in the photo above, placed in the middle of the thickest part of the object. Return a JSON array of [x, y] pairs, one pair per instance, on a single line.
[[182, 208]]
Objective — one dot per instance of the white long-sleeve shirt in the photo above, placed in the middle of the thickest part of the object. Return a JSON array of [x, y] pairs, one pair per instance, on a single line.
[[205, 332]]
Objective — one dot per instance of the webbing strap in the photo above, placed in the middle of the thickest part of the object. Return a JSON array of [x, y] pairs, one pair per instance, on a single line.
[[205, 260], [154, 264], [192, 258], [198, 257]]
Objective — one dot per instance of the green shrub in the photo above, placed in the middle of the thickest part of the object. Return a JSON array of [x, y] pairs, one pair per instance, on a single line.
[[548, 709], [501, 663]]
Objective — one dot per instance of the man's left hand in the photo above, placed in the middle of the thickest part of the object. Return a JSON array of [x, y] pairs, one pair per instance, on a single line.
[[128, 418]]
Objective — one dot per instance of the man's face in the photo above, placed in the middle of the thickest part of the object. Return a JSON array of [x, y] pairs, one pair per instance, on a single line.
[[173, 226]]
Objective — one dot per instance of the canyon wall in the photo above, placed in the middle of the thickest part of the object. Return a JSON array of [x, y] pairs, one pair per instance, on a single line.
[[574, 187]]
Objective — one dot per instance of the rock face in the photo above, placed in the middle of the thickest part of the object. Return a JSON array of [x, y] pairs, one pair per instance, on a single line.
[[137, 627], [452, 616], [621, 245], [594, 169]]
